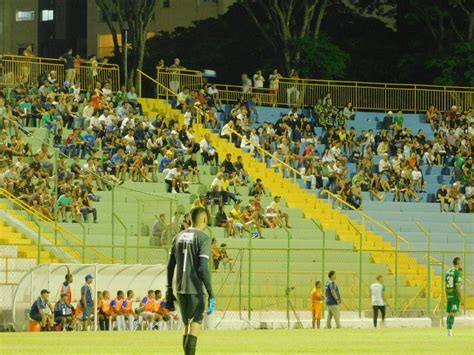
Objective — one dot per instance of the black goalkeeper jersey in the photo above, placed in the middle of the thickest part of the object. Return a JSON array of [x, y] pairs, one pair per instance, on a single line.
[[191, 252]]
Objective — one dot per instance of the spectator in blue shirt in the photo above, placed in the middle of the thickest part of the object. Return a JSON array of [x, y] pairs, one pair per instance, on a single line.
[[166, 162], [119, 164], [252, 108], [86, 302], [89, 137], [38, 310], [333, 299], [64, 313]]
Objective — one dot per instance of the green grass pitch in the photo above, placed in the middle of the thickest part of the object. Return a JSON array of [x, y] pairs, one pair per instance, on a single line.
[[341, 341]]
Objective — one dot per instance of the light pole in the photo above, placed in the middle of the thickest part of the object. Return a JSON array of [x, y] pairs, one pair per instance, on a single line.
[[125, 52]]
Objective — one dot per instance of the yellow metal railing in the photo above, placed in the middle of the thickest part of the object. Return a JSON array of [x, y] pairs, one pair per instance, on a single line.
[[365, 217], [363, 95], [30, 69], [281, 164], [69, 236], [176, 79]]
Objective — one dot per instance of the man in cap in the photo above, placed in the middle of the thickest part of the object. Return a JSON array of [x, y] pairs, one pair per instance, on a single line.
[[39, 313], [86, 302]]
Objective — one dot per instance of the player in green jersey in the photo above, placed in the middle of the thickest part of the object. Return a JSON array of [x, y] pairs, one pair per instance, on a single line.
[[453, 286]]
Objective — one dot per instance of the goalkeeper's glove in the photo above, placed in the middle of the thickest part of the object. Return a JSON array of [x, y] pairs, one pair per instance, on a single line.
[[170, 298], [212, 305]]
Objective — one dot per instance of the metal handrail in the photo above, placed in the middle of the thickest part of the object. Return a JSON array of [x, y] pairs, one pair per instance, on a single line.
[[168, 90], [157, 82], [50, 223], [350, 83], [25, 59], [168, 70], [410, 302], [295, 171], [365, 215]]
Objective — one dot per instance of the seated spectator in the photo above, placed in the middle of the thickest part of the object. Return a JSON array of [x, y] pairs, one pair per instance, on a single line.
[[224, 222], [208, 152], [39, 313], [275, 206], [191, 169], [257, 188], [174, 180], [64, 313], [65, 204], [84, 206]]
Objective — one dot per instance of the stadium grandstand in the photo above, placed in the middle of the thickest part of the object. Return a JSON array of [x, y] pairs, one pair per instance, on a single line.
[[298, 177]]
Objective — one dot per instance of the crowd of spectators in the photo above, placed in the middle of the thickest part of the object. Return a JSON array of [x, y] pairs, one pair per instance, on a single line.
[[293, 142], [126, 311]]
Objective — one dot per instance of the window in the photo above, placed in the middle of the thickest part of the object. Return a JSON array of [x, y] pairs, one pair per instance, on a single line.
[[25, 16], [47, 15], [165, 4]]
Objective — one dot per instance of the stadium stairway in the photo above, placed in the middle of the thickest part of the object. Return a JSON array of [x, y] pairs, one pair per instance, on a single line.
[[331, 219], [26, 247]]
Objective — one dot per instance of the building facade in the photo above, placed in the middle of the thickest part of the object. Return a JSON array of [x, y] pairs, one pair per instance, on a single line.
[[52, 26], [169, 14]]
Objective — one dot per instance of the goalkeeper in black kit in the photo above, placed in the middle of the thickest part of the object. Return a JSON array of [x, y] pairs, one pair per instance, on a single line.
[[190, 253]]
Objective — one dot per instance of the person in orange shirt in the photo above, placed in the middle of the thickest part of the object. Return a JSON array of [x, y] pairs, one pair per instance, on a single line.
[[317, 304], [118, 310], [66, 286], [160, 315], [129, 314], [146, 308], [106, 311]]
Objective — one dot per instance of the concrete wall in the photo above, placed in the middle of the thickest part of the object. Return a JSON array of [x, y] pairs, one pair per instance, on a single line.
[[13, 34]]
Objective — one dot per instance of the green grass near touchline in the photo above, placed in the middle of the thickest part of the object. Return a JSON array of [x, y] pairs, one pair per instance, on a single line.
[[350, 341]]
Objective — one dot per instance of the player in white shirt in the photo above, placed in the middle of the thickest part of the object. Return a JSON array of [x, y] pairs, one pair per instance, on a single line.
[[378, 300]]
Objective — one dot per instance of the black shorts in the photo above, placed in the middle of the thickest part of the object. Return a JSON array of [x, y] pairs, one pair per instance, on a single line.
[[36, 317], [192, 308]]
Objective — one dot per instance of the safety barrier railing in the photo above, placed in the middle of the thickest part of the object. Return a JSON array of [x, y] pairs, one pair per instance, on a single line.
[[363, 95], [32, 69], [60, 237], [176, 79], [283, 167], [260, 283]]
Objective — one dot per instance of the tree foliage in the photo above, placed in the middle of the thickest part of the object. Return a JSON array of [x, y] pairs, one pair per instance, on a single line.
[[136, 17], [322, 59], [422, 41], [285, 22]]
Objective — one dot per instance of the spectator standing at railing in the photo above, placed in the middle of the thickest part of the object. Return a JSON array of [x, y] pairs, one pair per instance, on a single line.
[[246, 84], [292, 90], [175, 70], [274, 82], [69, 66], [26, 68]]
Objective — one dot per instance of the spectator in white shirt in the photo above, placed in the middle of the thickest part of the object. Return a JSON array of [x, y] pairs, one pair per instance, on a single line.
[[246, 84], [173, 180], [87, 113], [417, 178], [208, 152], [274, 80], [384, 165], [276, 207], [217, 183], [226, 130]]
